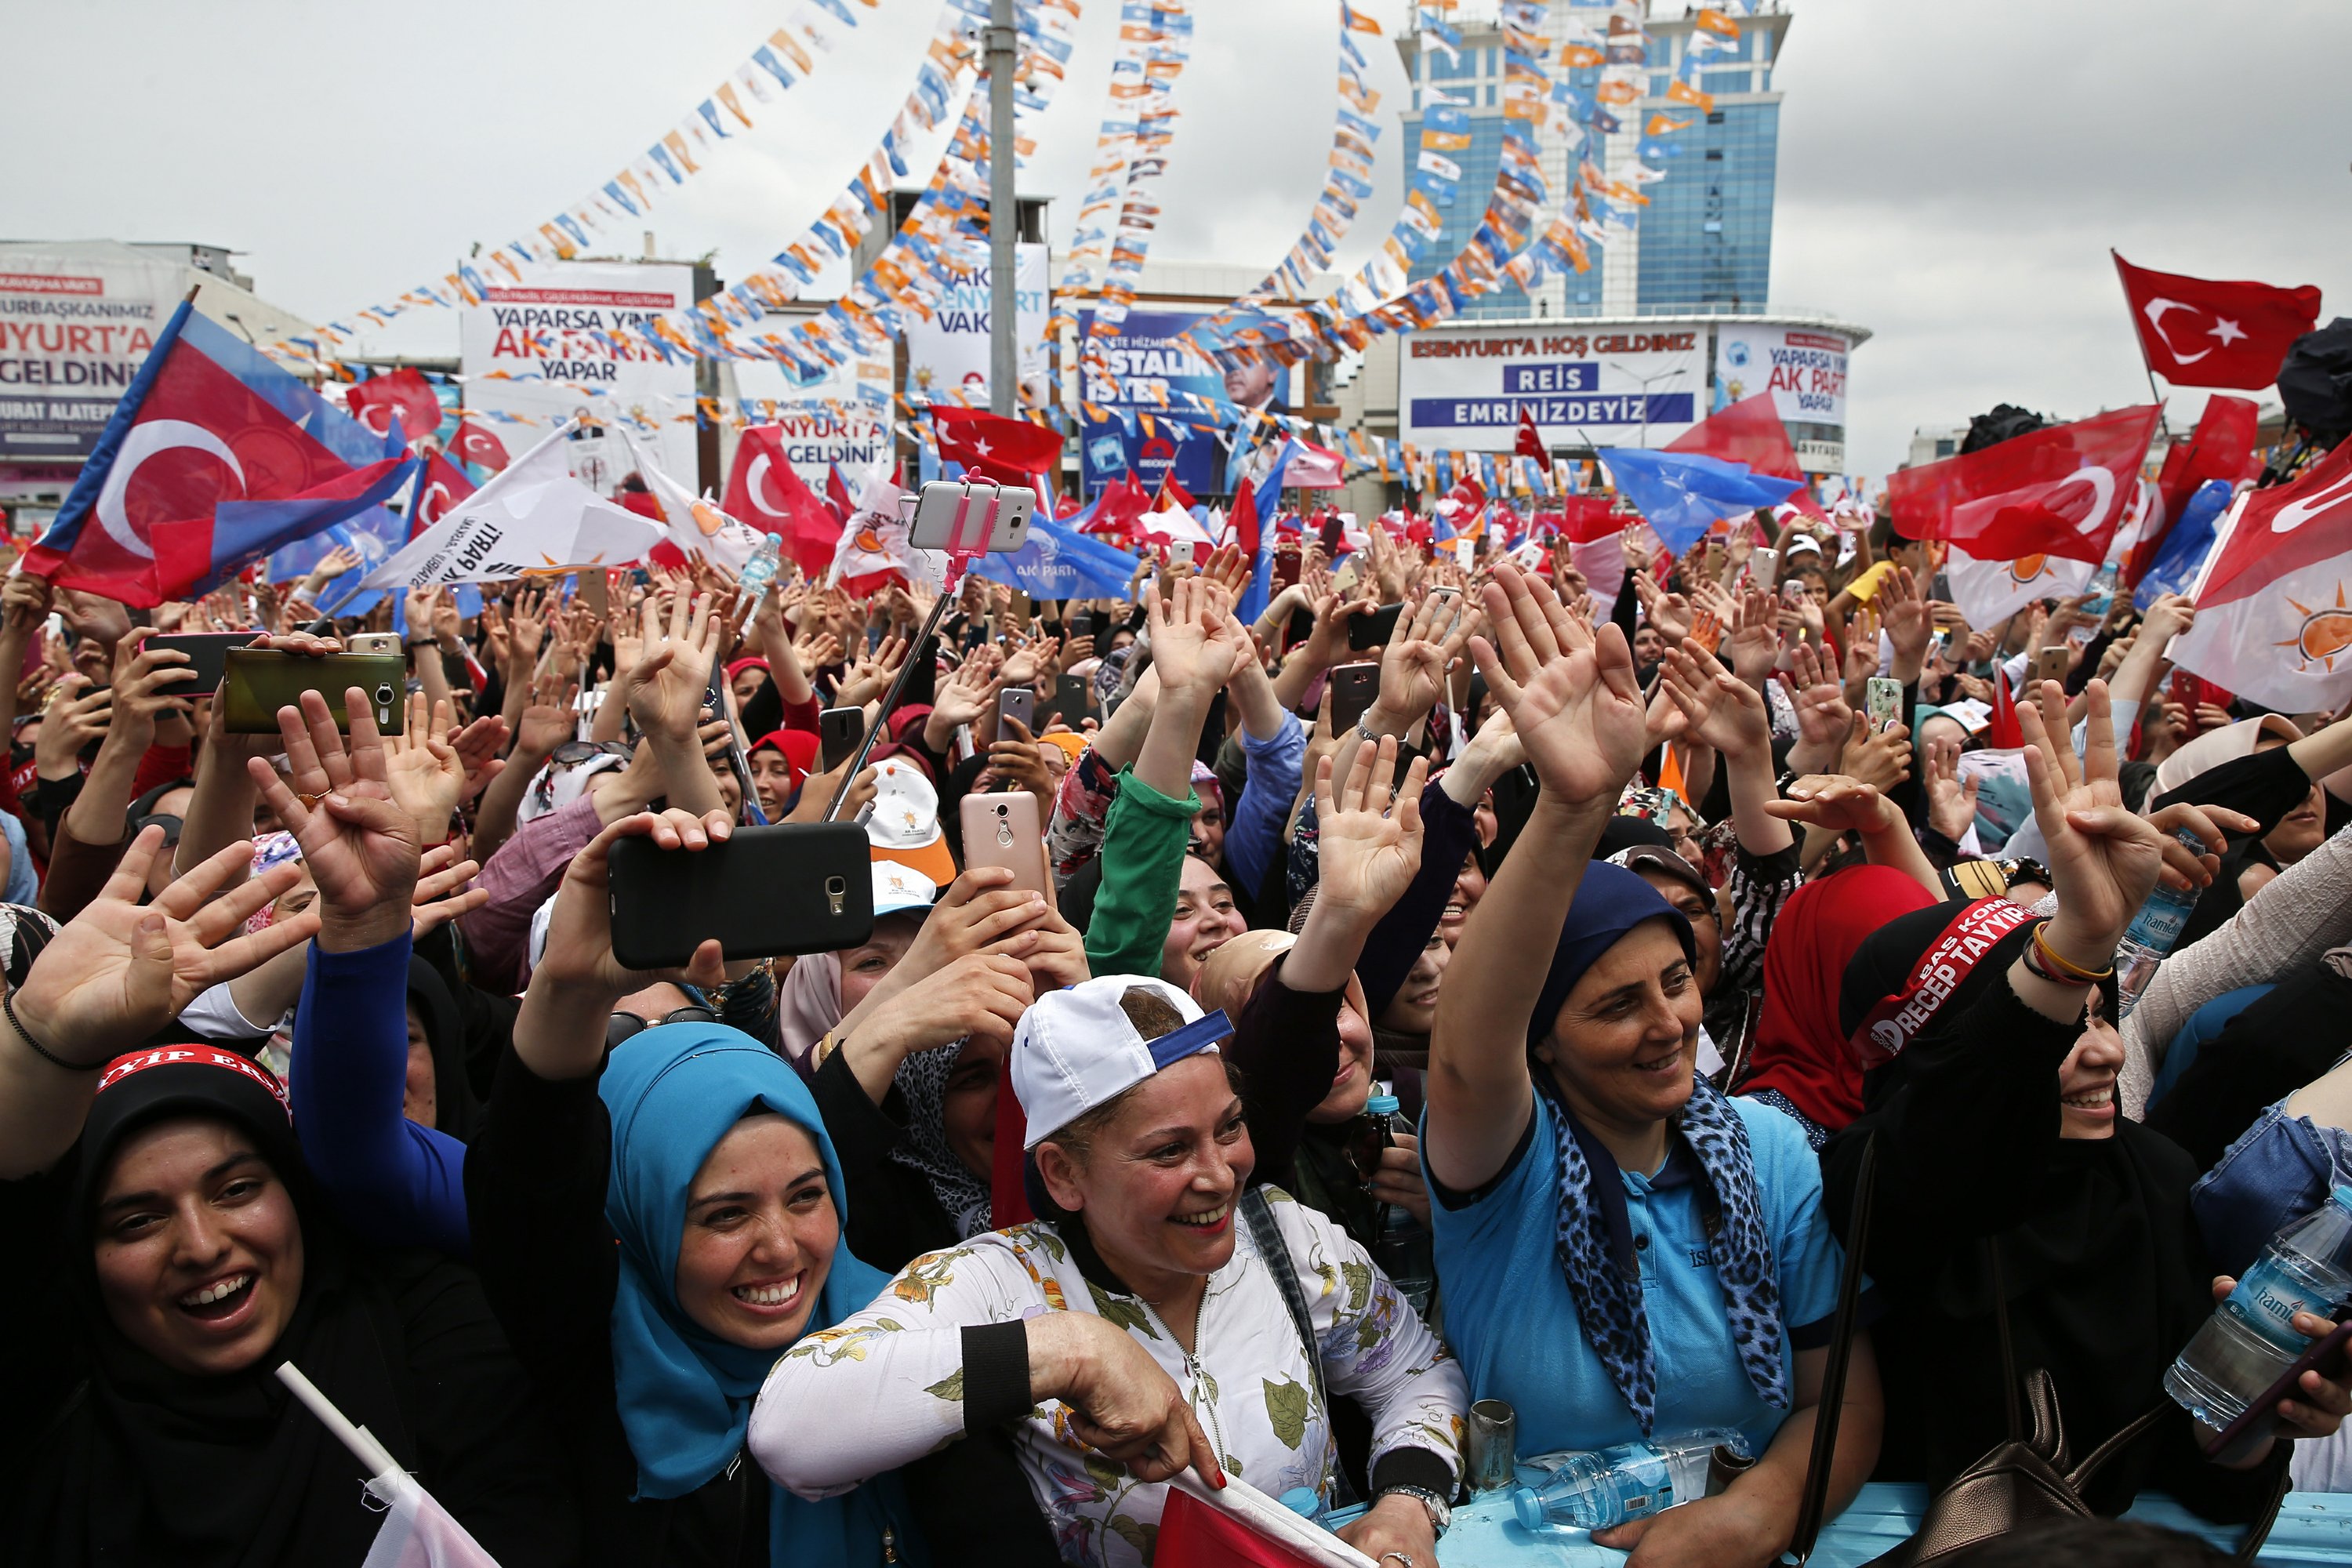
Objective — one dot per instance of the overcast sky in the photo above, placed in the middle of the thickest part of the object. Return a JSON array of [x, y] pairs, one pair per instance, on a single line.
[[1951, 174]]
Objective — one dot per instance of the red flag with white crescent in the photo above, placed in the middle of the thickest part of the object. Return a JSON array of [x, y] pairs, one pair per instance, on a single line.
[[444, 488], [2274, 610], [2196, 331]]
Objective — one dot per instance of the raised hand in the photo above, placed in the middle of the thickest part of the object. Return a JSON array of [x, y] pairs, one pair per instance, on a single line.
[[1569, 690], [1755, 641], [1719, 708], [1188, 649], [2103, 859], [1369, 834], [442, 894], [423, 770], [1669, 612], [1413, 665], [1837, 803], [121, 969], [578, 960], [1880, 758], [667, 686], [360, 843], [1907, 622], [1951, 800]]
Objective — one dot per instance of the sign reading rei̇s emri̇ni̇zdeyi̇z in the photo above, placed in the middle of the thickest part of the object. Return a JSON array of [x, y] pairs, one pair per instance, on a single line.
[[1465, 390], [551, 344]]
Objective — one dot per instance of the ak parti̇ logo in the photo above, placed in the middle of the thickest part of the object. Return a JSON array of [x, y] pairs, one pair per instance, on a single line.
[[2326, 633]]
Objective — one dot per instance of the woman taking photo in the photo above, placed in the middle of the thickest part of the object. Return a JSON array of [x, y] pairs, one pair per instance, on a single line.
[[1140, 1325], [656, 1224], [1625, 1253]]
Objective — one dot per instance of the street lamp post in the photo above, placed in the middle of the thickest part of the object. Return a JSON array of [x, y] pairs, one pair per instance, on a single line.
[[1004, 214]]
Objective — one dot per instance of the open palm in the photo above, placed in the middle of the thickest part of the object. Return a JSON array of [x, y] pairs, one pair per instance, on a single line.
[[109, 979], [1368, 853], [360, 843], [1571, 692]]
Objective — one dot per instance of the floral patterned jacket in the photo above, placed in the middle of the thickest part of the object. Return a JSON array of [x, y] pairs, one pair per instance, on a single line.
[[918, 1369]]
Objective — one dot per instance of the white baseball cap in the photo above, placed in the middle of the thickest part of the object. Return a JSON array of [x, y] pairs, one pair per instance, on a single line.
[[898, 888], [1076, 1048], [903, 824]]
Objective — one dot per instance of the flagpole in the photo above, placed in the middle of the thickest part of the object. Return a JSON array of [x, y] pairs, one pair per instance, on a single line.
[[2161, 423]]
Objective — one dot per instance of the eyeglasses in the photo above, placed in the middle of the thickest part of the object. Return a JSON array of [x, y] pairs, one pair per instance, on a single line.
[[622, 1026], [570, 754]]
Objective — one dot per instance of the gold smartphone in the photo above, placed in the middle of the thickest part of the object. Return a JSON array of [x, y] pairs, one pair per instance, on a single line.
[[259, 681]]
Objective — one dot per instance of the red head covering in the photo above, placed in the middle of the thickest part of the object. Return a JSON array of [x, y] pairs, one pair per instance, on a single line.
[[1799, 1050], [738, 667], [799, 747]]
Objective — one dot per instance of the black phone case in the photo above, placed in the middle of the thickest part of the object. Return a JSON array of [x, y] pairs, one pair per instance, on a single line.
[[796, 888], [1352, 694], [839, 730], [1074, 698], [1373, 630], [207, 654]]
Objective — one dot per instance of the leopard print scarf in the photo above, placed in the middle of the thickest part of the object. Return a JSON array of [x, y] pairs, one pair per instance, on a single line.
[[1605, 1281]]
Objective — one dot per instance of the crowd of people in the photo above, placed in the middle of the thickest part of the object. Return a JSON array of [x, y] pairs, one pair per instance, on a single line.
[[956, 1245]]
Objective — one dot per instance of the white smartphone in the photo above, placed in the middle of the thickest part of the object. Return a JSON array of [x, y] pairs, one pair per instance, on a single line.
[[973, 516], [1180, 552], [1763, 564]]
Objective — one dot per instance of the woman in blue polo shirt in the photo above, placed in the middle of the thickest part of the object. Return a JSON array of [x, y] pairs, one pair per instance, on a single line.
[[1625, 1252]]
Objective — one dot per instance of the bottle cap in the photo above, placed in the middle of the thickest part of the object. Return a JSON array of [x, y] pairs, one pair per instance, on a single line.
[[2341, 1195], [1529, 1508], [1381, 1105], [777, 539], [1304, 1501]]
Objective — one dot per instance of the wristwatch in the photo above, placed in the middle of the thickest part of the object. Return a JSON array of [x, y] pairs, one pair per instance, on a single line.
[[1441, 1512]]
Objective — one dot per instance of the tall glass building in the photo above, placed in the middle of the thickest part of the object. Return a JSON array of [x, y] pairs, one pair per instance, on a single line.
[[1704, 242]]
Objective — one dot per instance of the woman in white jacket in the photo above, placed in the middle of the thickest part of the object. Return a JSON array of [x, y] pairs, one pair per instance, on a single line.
[[1159, 1320]]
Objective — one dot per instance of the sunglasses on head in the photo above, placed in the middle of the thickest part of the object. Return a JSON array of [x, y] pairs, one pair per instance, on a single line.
[[622, 1026]]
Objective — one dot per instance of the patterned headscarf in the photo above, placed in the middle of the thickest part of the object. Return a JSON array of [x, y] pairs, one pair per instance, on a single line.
[[271, 849], [1595, 1239], [922, 1080]]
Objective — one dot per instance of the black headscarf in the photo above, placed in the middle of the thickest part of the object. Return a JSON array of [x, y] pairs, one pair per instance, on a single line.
[[454, 1109], [148, 1464]]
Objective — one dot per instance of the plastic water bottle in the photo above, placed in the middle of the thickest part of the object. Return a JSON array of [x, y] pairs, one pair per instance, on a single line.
[[1401, 1243], [2250, 1339], [2153, 931], [2100, 591], [1632, 1480], [759, 572]]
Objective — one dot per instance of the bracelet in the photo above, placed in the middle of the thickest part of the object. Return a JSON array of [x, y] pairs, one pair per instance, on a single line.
[[8, 1006], [2051, 965]]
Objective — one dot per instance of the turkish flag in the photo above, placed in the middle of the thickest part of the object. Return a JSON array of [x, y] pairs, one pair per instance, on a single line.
[[475, 445], [2194, 331], [1585, 519], [1009, 451], [444, 488], [1117, 506], [373, 403], [1173, 496], [2222, 448], [836, 493], [1194, 1535], [764, 493], [2274, 612], [2060, 491], [1529, 443]]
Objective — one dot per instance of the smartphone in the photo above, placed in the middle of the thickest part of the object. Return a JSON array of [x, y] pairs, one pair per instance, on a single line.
[[972, 516], [1016, 702], [1346, 575], [1074, 698], [207, 654], [1180, 553], [258, 681], [1002, 829], [1793, 592], [1287, 562], [1300, 627], [2049, 664], [1882, 699], [2258, 1421], [1714, 567], [1763, 566], [839, 730], [1353, 688], [796, 888], [1374, 628], [1021, 610], [1332, 529]]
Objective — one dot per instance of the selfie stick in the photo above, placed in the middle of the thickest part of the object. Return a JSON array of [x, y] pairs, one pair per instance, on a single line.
[[967, 538]]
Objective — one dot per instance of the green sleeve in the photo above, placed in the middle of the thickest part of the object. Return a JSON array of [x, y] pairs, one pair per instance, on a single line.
[[1142, 862]]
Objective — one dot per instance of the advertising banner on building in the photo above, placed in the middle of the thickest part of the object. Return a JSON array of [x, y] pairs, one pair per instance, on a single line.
[[74, 330], [1464, 390], [1804, 370], [947, 356], [1147, 356], [548, 346], [844, 418]]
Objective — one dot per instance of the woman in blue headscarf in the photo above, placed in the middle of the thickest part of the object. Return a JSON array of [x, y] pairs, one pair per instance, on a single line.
[[655, 1224], [1625, 1253]]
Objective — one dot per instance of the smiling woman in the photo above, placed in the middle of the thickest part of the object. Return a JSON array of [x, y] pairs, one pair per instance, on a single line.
[[1147, 1319]]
